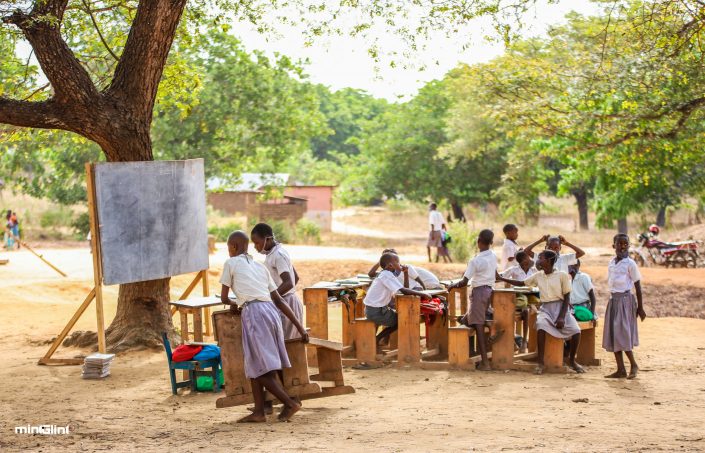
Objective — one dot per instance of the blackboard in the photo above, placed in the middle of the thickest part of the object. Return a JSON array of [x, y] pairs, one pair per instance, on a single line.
[[151, 219]]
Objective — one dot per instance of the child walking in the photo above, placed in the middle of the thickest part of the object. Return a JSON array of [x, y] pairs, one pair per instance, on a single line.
[[621, 333], [554, 316], [480, 273], [278, 263], [382, 291], [262, 333]]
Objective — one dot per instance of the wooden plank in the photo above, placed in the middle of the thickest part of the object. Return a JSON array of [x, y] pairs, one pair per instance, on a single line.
[[190, 287], [503, 349], [348, 319], [330, 366], [97, 255], [184, 325], [463, 292], [553, 354], [328, 344], [37, 254], [586, 348], [50, 361], [55, 345], [459, 345], [197, 324], [435, 352], [409, 312], [532, 331], [206, 310], [365, 341], [228, 327], [316, 303], [437, 335]]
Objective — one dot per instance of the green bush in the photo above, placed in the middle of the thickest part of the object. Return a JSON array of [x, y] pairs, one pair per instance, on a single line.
[[221, 233], [56, 217], [463, 244], [82, 225], [307, 232]]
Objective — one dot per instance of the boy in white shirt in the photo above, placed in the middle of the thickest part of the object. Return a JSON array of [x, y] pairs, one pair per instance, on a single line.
[[555, 244], [409, 278], [435, 235], [582, 292], [481, 273], [262, 333], [510, 246], [382, 291], [523, 269]]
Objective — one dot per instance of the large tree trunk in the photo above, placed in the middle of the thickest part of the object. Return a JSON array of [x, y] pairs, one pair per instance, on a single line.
[[581, 198], [661, 217], [458, 213], [622, 226]]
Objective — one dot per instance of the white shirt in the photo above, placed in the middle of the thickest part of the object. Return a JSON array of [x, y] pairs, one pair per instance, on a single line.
[[481, 269], [435, 219], [509, 250], [622, 275], [277, 262], [517, 273], [248, 279], [429, 279], [552, 287], [582, 284], [382, 289], [563, 261], [413, 275]]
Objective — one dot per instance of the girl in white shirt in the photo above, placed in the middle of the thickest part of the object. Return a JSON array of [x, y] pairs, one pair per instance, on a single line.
[[620, 331]]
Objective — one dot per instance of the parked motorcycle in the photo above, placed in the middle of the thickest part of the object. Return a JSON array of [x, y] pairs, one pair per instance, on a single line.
[[652, 251]]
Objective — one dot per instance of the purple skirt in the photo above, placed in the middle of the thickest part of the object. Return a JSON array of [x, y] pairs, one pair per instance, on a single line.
[[263, 339], [548, 316], [294, 303], [620, 331]]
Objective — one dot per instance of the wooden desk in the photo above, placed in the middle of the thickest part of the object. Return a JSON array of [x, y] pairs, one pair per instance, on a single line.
[[453, 295], [194, 306], [504, 304]]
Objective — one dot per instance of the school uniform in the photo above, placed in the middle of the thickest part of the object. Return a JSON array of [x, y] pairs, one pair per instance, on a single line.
[[509, 250], [413, 275], [552, 288], [436, 221], [262, 332], [481, 272], [429, 279], [620, 330], [580, 290], [517, 273], [564, 260], [278, 261], [380, 292]]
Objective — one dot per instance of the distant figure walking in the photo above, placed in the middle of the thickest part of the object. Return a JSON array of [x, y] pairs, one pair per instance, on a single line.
[[12, 230], [435, 236]]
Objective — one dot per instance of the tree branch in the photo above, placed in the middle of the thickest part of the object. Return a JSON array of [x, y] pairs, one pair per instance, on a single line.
[[97, 29], [65, 73], [43, 115], [142, 62]]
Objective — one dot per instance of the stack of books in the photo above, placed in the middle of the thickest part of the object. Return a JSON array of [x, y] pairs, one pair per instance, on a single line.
[[97, 366]]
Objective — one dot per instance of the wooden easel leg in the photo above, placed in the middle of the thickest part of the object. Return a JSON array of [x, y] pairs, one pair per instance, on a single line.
[[55, 345], [206, 293]]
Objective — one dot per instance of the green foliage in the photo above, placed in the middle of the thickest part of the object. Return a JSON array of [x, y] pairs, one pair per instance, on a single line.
[[57, 217], [463, 244], [82, 225], [307, 232], [221, 232]]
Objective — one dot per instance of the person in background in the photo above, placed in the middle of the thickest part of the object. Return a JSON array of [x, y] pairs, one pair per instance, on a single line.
[[582, 292], [435, 238], [510, 246]]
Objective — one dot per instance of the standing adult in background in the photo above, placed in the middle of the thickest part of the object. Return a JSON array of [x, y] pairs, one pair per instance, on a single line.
[[435, 236]]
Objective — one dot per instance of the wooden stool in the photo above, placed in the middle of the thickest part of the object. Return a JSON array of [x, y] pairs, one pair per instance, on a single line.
[[553, 354], [459, 347], [365, 341], [586, 350]]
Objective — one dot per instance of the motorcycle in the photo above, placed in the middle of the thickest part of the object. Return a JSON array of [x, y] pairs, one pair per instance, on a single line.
[[652, 251]]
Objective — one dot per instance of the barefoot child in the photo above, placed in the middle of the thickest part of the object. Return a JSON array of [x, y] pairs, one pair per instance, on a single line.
[[262, 333], [480, 273], [510, 246], [620, 331], [382, 291], [555, 244], [554, 316], [521, 271], [278, 263]]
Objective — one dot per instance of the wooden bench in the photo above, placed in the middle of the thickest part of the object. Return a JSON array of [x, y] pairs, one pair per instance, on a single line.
[[553, 352], [459, 347], [365, 341]]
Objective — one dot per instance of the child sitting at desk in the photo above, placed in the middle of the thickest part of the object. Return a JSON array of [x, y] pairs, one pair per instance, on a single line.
[[554, 316], [262, 333], [382, 291], [480, 273], [409, 278], [278, 263], [523, 269]]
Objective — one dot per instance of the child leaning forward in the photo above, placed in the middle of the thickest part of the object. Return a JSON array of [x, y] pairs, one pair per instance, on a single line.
[[554, 314]]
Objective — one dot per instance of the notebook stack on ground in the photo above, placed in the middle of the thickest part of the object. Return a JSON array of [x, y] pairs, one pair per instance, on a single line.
[[97, 366]]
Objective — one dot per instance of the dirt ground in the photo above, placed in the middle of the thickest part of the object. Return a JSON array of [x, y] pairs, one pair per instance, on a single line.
[[392, 409]]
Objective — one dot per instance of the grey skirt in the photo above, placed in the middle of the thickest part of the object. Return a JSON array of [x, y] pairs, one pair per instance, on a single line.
[[294, 303], [262, 339], [620, 332], [547, 317]]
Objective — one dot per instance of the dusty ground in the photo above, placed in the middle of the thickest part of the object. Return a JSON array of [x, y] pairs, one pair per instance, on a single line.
[[393, 410]]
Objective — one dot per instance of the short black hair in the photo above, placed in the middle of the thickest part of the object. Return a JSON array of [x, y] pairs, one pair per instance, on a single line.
[[552, 239], [433, 205], [620, 235], [389, 251], [520, 256], [577, 262], [550, 255], [486, 237], [386, 259], [509, 227], [262, 230]]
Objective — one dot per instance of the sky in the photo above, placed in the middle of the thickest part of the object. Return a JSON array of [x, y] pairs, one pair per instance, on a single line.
[[341, 62]]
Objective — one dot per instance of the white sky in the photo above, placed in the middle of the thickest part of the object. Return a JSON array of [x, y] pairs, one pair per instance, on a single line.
[[340, 62], [344, 62]]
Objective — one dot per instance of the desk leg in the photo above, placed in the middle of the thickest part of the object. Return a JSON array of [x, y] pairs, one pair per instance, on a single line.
[[184, 325], [197, 325], [463, 300], [437, 335], [452, 308], [503, 349], [409, 311], [533, 343], [316, 302]]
